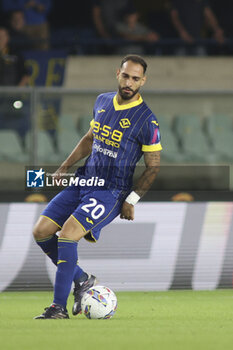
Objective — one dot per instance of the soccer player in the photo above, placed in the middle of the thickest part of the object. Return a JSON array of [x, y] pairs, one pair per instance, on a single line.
[[122, 130]]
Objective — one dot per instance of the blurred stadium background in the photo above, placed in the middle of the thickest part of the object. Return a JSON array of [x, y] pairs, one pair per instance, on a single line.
[[186, 218]]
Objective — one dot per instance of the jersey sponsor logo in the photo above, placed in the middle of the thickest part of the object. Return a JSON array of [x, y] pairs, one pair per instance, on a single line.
[[155, 122], [105, 151], [106, 134], [124, 123], [101, 111], [107, 141], [35, 178]]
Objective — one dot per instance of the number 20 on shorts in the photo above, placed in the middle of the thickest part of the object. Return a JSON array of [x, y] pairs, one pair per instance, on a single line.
[[96, 210]]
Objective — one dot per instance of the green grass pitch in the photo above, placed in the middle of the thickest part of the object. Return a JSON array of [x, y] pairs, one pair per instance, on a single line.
[[173, 320]]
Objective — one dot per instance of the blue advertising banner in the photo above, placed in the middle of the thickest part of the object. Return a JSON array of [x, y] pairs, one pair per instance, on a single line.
[[46, 67]]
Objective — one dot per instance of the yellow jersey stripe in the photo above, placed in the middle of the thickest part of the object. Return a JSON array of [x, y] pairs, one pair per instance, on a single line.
[[51, 220], [92, 123], [44, 239], [66, 240], [152, 148], [79, 223]]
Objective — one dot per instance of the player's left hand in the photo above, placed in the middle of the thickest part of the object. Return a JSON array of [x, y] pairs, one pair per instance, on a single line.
[[127, 211]]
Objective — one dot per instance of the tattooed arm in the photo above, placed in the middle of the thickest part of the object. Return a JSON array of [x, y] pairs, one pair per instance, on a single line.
[[152, 162]]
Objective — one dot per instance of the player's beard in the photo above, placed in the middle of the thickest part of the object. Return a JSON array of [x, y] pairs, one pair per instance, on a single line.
[[126, 96]]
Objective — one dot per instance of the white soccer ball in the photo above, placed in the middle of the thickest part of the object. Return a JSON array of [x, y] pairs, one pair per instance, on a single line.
[[99, 302]]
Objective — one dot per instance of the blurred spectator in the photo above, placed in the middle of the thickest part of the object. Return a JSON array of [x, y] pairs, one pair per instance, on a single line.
[[224, 10], [130, 28], [19, 41], [106, 14], [13, 113], [12, 67], [156, 15], [36, 13], [188, 18], [37, 26], [71, 29]]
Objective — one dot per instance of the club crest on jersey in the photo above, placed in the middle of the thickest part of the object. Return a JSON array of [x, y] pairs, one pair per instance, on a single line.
[[125, 123]]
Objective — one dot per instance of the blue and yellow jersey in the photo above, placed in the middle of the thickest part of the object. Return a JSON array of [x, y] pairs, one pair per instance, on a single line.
[[122, 133]]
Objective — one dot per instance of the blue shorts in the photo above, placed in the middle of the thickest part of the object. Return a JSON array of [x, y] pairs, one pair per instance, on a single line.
[[93, 209]]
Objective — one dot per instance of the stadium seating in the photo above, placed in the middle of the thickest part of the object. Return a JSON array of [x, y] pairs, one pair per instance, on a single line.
[[194, 141], [84, 124], [10, 147], [216, 124], [220, 131], [46, 151], [67, 140], [171, 149], [187, 124], [197, 149], [223, 146], [67, 122]]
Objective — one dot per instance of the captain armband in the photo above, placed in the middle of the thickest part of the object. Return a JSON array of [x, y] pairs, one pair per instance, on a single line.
[[132, 198]]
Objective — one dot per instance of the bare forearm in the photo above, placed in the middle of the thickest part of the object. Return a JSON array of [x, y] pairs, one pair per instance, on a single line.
[[146, 180], [96, 14], [176, 22], [211, 19], [180, 27], [214, 25], [152, 161]]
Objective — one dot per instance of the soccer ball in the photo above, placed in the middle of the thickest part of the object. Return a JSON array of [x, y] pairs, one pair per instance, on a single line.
[[99, 302]]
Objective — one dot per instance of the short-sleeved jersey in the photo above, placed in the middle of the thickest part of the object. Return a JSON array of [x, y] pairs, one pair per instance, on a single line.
[[121, 134]]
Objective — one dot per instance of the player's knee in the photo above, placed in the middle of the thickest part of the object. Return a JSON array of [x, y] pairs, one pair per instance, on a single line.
[[72, 230], [40, 232], [44, 229]]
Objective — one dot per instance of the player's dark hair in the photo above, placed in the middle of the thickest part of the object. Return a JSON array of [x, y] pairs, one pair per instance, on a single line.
[[135, 59]]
